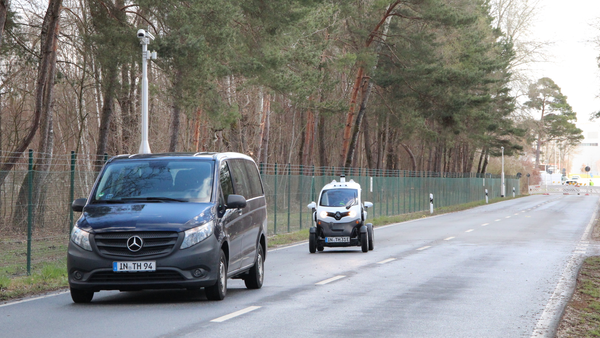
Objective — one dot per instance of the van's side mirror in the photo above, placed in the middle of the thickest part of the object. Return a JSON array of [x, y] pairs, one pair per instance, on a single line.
[[236, 202], [312, 206], [368, 205], [78, 204]]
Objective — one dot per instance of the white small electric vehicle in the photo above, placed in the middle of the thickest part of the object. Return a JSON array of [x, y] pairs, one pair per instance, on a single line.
[[340, 217]]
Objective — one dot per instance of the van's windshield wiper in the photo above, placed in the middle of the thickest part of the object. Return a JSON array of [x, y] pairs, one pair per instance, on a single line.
[[108, 201], [159, 199]]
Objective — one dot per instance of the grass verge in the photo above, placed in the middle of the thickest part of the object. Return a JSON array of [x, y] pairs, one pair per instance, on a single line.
[[50, 277]]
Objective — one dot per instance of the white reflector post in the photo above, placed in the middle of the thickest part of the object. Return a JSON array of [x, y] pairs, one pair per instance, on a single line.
[[486, 197], [431, 203]]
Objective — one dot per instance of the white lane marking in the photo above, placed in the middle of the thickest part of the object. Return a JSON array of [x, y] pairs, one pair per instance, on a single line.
[[507, 217], [423, 248], [387, 260], [34, 298], [332, 279], [235, 314], [449, 238], [469, 230], [498, 220], [484, 224], [527, 216], [516, 214], [564, 288]]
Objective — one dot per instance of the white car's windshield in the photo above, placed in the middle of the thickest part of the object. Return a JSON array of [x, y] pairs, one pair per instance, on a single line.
[[177, 180], [339, 197]]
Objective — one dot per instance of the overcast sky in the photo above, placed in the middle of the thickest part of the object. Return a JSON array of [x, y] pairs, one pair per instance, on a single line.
[[573, 64]]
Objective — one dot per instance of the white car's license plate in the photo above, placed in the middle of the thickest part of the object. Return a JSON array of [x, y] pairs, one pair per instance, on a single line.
[[134, 266], [337, 239]]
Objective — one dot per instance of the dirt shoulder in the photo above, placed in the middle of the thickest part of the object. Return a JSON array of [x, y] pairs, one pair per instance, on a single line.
[[582, 314]]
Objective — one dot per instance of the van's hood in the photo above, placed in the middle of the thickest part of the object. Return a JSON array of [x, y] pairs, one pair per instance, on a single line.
[[155, 216]]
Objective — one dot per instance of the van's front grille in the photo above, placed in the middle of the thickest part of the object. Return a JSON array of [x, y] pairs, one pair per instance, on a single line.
[[136, 277], [157, 243]]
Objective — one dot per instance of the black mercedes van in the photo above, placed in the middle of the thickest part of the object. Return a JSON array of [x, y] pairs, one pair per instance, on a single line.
[[174, 220]]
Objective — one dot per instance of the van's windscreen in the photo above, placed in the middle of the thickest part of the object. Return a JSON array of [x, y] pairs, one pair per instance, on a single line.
[[339, 197], [180, 180]]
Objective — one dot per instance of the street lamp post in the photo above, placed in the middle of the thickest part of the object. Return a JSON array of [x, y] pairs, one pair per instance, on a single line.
[[145, 38], [502, 191]]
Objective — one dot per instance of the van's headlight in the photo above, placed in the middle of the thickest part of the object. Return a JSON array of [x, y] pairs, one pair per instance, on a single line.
[[81, 238], [197, 235], [323, 214], [352, 213]]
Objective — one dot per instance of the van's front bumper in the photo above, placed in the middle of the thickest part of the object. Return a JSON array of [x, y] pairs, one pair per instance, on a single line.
[[88, 270]]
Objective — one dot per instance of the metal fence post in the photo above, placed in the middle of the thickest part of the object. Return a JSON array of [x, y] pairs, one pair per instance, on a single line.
[[72, 191], [300, 179], [29, 209], [289, 196], [275, 203]]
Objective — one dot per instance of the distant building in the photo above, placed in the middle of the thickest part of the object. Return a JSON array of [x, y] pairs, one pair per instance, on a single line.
[[587, 153]]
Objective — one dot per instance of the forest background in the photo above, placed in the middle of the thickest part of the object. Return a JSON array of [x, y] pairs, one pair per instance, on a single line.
[[421, 85]]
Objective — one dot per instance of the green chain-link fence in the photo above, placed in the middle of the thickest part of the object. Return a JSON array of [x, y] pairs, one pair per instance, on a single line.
[[35, 224]]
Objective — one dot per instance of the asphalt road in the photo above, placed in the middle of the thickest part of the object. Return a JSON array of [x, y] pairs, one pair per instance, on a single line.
[[501, 270]]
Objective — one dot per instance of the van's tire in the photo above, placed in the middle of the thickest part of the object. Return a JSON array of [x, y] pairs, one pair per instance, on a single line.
[[256, 275], [371, 237], [364, 241], [312, 243], [219, 290], [81, 296]]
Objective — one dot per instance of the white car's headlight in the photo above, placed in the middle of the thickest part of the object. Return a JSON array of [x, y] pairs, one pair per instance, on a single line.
[[352, 213], [197, 235], [81, 238], [323, 214]]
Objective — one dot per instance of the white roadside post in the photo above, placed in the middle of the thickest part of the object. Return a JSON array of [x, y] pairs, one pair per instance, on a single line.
[[431, 203], [486, 196], [145, 38], [513, 192], [503, 190]]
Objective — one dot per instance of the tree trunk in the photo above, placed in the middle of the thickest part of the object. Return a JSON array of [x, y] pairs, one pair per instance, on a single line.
[[321, 139], [485, 160], [267, 128], [106, 115], [44, 91], [412, 156], [367, 142], [3, 14]]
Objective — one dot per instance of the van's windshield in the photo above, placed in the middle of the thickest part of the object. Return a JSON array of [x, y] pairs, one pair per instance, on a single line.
[[156, 180], [339, 197]]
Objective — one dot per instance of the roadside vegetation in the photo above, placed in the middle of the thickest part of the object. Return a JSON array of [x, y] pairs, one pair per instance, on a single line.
[[53, 276], [582, 315]]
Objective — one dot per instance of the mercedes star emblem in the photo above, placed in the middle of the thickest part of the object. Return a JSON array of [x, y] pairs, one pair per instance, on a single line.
[[134, 243]]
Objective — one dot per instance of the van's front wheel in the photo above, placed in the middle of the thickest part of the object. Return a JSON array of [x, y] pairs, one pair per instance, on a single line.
[[219, 290], [256, 275]]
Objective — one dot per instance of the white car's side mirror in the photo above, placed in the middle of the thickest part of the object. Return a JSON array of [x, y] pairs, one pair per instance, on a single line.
[[368, 205], [312, 205]]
